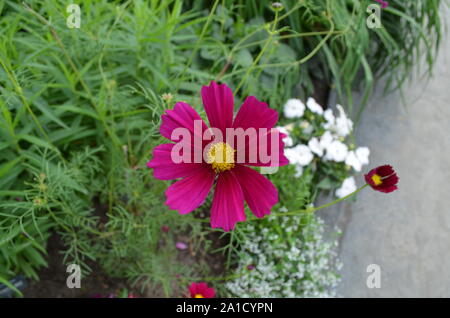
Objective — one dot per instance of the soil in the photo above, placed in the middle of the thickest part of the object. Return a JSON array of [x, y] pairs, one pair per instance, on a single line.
[[52, 283]]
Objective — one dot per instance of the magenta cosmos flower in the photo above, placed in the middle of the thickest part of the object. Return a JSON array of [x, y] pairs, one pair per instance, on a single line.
[[201, 290], [234, 180]]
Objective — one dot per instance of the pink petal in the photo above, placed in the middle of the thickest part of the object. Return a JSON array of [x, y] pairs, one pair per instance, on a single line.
[[193, 289], [165, 169], [181, 246], [190, 192], [201, 287], [182, 116], [219, 104], [209, 292], [260, 194], [228, 202], [385, 170], [256, 114]]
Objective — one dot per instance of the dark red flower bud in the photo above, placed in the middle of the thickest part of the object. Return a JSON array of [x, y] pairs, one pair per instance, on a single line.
[[383, 179]]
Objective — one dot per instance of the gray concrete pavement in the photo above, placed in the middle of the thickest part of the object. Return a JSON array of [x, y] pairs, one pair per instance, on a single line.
[[407, 233]]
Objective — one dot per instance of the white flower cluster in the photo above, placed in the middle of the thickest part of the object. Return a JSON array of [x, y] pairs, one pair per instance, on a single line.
[[329, 146], [304, 265]]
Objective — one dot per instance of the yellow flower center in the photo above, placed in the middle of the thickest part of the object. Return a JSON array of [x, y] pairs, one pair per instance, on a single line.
[[221, 157], [377, 179], [198, 296]]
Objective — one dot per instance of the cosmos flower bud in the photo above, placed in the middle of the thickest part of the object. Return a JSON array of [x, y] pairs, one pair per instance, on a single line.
[[167, 97], [383, 179], [277, 6]]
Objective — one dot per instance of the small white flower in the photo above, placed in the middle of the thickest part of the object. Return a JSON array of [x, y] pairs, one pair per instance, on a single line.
[[347, 187], [294, 108], [315, 146], [288, 142], [329, 116], [304, 155], [314, 106], [356, 159], [336, 151], [362, 153], [326, 140], [343, 125], [300, 155], [298, 171], [353, 161], [291, 154]]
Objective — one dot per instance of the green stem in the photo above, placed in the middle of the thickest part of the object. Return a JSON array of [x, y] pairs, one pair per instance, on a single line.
[[301, 211], [19, 91], [312, 209], [261, 53], [284, 64], [197, 43], [239, 46]]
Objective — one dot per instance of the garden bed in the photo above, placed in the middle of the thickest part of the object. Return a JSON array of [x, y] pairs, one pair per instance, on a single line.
[[81, 114]]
